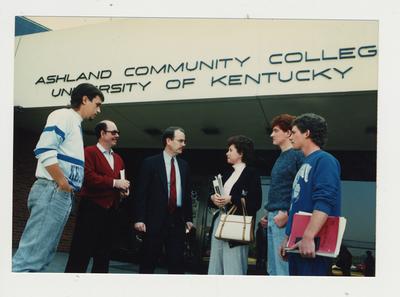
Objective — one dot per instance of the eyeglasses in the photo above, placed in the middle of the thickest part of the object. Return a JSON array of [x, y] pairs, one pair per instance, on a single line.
[[114, 132]]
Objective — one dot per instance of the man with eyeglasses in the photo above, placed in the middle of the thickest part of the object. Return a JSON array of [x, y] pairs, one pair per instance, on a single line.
[[163, 205], [103, 187]]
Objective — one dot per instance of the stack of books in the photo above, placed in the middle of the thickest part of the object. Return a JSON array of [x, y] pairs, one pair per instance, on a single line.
[[328, 239]]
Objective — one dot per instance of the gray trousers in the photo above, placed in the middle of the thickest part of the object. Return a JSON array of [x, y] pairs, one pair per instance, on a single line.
[[227, 260]]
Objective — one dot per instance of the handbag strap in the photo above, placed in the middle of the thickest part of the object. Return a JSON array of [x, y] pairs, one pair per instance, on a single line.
[[243, 201], [244, 211], [232, 210]]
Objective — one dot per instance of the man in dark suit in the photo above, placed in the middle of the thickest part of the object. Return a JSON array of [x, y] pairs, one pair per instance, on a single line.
[[103, 187], [163, 206]]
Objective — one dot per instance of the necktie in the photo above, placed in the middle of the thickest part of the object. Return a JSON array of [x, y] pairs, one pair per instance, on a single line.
[[172, 188]]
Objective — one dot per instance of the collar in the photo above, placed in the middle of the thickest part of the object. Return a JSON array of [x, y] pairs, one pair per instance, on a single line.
[[239, 166], [167, 156], [103, 150], [76, 115], [287, 150]]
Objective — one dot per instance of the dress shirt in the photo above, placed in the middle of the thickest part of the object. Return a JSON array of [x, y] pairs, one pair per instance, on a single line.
[[167, 161], [107, 154], [109, 157]]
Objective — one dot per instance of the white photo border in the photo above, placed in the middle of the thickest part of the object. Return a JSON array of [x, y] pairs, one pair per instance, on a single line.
[[53, 284]]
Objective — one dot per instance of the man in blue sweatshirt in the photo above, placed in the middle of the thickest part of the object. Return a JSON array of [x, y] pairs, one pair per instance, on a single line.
[[316, 189]]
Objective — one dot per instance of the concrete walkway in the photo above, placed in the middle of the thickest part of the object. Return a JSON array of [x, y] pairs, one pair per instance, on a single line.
[[60, 260]]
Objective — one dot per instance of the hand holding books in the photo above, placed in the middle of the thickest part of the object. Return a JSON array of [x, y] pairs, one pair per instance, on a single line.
[[218, 186], [220, 201], [306, 246], [219, 198], [124, 191]]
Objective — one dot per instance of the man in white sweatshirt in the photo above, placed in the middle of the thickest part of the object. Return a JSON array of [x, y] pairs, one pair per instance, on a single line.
[[59, 174]]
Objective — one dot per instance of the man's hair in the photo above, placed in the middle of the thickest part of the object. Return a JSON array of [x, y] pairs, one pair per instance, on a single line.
[[244, 146], [84, 89], [170, 133], [315, 124], [283, 121], [101, 126]]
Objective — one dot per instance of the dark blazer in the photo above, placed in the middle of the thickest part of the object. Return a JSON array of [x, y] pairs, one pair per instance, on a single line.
[[151, 195], [99, 176], [249, 183]]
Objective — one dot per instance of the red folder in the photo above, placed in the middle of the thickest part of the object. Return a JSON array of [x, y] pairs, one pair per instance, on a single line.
[[328, 239]]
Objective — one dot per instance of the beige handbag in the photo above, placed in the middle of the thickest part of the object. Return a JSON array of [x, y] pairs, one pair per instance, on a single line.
[[236, 227]]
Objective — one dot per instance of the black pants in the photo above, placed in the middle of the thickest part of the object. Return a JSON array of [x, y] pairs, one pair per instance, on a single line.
[[172, 237], [92, 238]]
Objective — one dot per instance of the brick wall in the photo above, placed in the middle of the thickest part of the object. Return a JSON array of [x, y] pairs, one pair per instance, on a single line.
[[23, 178]]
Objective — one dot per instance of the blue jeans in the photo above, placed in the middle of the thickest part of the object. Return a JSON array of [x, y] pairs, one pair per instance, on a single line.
[[49, 210], [275, 236]]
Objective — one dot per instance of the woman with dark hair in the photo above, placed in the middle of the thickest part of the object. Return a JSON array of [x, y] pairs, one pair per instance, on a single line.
[[230, 257]]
